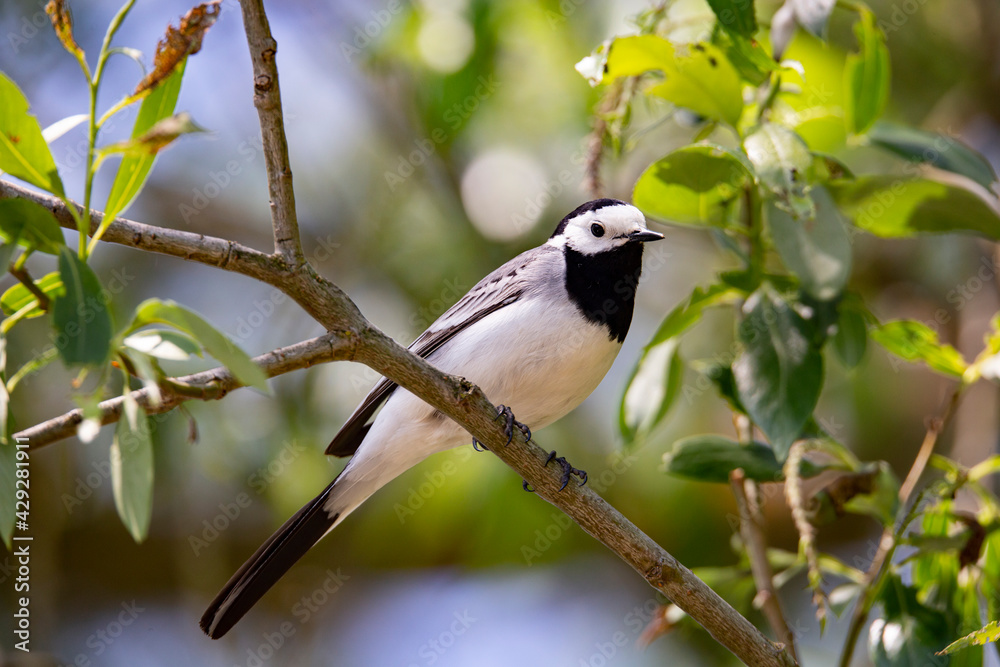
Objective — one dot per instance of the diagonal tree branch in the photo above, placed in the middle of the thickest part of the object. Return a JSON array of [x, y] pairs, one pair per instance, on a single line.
[[267, 99]]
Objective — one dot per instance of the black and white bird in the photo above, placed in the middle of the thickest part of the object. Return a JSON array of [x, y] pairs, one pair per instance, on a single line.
[[537, 335]]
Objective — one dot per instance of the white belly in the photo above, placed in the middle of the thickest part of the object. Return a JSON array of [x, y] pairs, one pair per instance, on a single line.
[[540, 360]]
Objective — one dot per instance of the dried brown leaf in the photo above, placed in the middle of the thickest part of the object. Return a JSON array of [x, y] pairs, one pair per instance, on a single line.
[[158, 136], [179, 43], [62, 23]]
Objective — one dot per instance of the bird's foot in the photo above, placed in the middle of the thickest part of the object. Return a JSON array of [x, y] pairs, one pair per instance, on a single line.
[[478, 446], [508, 415], [567, 472]]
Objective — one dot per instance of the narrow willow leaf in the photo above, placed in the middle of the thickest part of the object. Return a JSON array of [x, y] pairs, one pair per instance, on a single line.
[[889, 206], [866, 76], [933, 148], [132, 469], [61, 127], [134, 168], [31, 225], [915, 341], [23, 151], [80, 315], [232, 357], [693, 185], [779, 372], [816, 249]]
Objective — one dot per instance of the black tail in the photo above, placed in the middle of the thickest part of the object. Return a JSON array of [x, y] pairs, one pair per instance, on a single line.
[[265, 567]]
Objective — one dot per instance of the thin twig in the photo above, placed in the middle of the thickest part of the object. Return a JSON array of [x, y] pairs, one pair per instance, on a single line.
[[892, 533], [25, 279], [753, 540], [214, 383], [267, 99]]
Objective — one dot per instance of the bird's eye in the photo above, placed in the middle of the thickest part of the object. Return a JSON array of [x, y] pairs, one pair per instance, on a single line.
[[597, 230]]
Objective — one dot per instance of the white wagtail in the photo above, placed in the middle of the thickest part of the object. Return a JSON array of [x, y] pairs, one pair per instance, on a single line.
[[538, 335]]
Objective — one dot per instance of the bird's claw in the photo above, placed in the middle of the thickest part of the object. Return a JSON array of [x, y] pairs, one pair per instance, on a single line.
[[567, 470], [508, 415], [478, 446]]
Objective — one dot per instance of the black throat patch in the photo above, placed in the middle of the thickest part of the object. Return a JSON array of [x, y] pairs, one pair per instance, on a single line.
[[603, 286]]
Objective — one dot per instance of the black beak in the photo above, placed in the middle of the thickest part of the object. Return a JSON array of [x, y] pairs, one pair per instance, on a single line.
[[644, 236]]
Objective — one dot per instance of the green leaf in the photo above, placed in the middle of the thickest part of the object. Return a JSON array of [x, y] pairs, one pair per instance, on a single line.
[[147, 371], [704, 81], [816, 249], [134, 167], [23, 151], [216, 344], [914, 341], [158, 137], [722, 377], [80, 315], [753, 63], [711, 458], [18, 296], [866, 75], [985, 635], [779, 372], [783, 162], [699, 77], [164, 344], [31, 225], [736, 16], [638, 54], [883, 501], [890, 207], [651, 390], [688, 312], [908, 632], [851, 339], [933, 148], [693, 185], [132, 469]]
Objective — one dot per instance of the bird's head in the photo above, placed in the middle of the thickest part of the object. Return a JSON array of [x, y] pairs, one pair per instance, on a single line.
[[602, 225]]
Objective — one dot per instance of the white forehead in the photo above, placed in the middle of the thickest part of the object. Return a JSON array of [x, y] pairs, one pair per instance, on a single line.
[[618, 221]]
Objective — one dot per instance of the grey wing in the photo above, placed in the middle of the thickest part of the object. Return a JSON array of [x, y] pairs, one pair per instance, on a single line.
[[497, 290]]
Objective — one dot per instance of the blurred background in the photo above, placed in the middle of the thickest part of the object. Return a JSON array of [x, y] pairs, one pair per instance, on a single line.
[[431, 142]]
